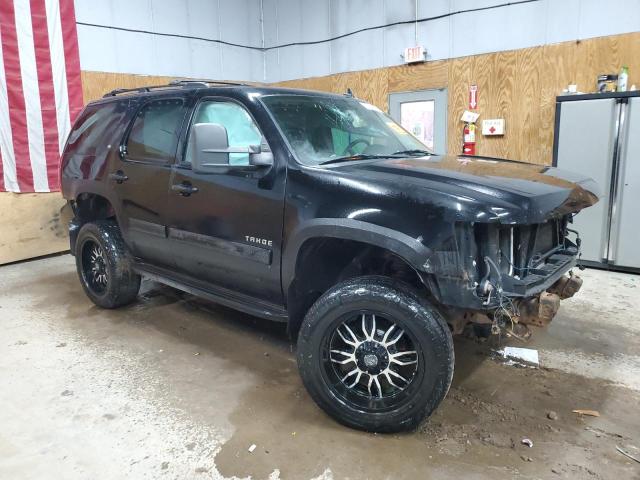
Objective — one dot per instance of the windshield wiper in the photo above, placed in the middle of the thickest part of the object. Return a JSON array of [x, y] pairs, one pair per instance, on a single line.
[[348, 158], [365, 156], [414, 151]]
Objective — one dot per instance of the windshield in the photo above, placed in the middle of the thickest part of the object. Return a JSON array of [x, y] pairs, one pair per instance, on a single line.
[[321, 129]]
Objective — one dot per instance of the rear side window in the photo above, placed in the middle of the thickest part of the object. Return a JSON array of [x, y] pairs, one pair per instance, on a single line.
[[155, 131], [97, 127]]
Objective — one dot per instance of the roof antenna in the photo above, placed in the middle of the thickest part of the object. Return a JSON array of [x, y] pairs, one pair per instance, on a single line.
[[348, 93]]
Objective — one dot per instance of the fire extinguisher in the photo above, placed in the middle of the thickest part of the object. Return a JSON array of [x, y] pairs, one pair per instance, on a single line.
[[469, 139]]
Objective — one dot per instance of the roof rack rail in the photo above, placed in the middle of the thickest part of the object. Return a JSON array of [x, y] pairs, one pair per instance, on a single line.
[[204, 81], [186, 82]]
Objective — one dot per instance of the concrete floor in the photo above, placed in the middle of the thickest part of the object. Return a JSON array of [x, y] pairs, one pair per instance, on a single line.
[[175, 387]]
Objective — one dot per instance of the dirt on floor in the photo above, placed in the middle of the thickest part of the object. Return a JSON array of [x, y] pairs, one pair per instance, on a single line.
[[176, 387], [477, 432]]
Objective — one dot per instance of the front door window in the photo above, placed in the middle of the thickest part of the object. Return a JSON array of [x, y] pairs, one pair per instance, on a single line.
[[156, 130], [241, 129]]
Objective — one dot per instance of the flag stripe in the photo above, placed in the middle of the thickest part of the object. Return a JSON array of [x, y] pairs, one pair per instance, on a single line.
[[40, 91], [9, 177], [15, 96], [71, 58], [2, 187], [29, 69], [59, 71], [47, 97]]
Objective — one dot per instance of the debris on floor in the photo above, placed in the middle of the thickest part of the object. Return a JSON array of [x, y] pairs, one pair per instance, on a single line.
[[527, 357], [252, 448], [527, 442], [590, 413], [627, 454]]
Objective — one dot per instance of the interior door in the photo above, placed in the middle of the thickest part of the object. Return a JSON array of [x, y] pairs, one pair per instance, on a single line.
[[424, 114], [140, 177], [586, 135], [225, 227], [625, 229]]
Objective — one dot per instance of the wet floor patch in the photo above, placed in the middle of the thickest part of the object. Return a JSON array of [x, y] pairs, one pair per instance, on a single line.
[[176, 387]]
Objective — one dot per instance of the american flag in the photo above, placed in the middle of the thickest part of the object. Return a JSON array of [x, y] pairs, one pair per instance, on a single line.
[[40, 91]]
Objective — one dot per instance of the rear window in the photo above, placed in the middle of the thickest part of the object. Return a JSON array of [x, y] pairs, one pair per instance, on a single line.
[[97, 127], [156, 130]]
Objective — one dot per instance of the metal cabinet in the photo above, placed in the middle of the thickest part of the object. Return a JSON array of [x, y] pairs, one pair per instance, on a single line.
[[599, 135]]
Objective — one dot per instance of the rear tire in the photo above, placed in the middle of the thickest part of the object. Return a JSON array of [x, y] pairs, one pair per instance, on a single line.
[[374, 355], [103, 265]]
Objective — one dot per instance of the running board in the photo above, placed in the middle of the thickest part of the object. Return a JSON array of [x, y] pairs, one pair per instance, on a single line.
[[223, 296]]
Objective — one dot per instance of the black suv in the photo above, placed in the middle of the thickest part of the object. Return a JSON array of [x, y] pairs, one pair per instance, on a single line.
[[320, 211]]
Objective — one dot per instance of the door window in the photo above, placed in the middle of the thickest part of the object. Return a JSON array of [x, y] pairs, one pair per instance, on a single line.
[[418, 118], [241, 129], [155, 131], [424, 114]]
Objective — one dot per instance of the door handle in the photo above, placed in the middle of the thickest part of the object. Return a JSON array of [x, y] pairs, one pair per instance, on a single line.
[[185, 189], [118, 176]]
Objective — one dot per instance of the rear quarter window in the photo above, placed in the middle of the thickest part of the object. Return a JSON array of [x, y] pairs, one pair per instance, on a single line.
[[97, 127]]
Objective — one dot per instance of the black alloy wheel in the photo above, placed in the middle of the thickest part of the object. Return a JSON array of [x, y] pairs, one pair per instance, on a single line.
[[104, 265], [94, 267], [375, 355], [371, 362]]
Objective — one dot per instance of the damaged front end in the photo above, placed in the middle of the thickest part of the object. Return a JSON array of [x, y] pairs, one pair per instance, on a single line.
[[505, 275]]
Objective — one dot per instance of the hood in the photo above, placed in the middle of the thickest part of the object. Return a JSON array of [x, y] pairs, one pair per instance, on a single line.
[[480, 189]]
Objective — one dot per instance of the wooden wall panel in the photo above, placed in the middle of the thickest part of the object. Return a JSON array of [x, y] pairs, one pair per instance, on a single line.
[[31, 226], [524, 130], [460, 77], [96, 84], [519, 86], [557, 69], [368, 85], [323, 84], [35, 217], [606, 55], [407, 78]]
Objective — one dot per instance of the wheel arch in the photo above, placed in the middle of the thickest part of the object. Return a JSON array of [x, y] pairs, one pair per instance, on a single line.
[[326, 251], [89, 206]]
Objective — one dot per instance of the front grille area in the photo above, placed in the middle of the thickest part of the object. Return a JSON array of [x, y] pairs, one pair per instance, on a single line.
[[519, 250], [519, 260]]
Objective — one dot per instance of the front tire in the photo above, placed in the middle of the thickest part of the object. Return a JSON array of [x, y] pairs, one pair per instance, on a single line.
[[374, 355], [103, 265]]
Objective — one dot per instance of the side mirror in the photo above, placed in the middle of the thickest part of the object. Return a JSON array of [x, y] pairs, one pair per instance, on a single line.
[[209, 147], [208, 144], [260, 155]]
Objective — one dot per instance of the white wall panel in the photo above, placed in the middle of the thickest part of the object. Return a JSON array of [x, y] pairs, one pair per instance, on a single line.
[[505, 28], [94, 40], [136, 52], [285, 21], [297, 21], [204, 58], [358, 52], [396, 39], [130, 14], [203, 18], [508, 28], [562, 21], [236, 21], [167, 18], [599, 18]]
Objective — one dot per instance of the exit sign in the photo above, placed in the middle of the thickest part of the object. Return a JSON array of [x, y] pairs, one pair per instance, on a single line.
[[414, 54]]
